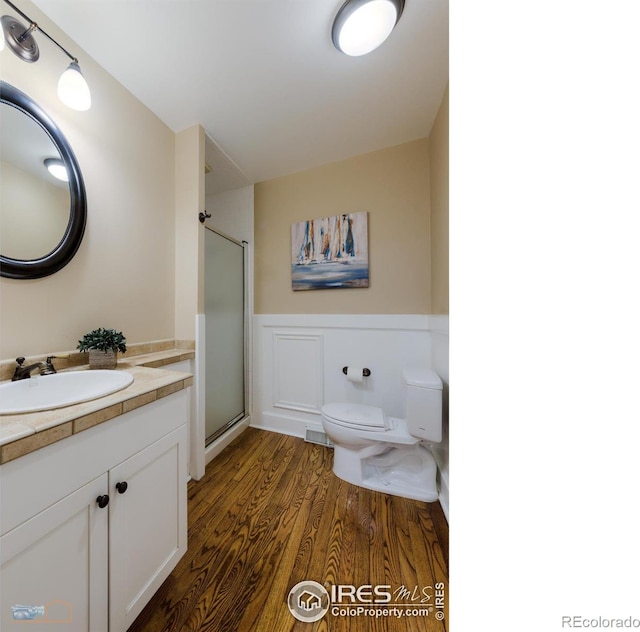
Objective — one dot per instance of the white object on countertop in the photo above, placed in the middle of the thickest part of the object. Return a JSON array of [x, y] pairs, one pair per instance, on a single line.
[[46, 392]]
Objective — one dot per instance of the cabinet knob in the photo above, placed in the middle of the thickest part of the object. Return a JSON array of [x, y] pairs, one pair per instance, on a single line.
[[102, 501], [122, 487]]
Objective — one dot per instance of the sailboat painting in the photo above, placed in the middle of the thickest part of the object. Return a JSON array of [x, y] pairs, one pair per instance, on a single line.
[[330, 252]]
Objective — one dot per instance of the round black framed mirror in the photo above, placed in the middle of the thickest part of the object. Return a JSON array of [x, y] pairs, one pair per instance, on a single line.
[[58, 247]]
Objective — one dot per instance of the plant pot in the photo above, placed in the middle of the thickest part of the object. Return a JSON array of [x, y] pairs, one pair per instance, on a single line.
[[102, 359]]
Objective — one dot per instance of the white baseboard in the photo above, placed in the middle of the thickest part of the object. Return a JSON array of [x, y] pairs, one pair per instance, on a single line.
[[279, 423]]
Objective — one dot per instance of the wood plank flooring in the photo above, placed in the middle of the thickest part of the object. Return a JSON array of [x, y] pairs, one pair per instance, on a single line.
[[270, 513]]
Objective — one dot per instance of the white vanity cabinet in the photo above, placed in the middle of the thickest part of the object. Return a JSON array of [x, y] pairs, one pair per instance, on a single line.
[[58, 560], [90, 561], [147, 525]]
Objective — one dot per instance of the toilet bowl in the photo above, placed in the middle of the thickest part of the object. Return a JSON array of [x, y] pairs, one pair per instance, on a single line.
[[390, 454]]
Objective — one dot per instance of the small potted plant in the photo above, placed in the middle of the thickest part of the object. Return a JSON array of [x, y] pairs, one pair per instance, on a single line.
[[103, 346]]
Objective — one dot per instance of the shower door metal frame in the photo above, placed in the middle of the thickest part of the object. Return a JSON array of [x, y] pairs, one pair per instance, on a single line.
[[245, 333]]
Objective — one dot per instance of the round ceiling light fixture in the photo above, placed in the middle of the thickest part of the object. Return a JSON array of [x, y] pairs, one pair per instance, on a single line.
[[56, 168], [362, 25]]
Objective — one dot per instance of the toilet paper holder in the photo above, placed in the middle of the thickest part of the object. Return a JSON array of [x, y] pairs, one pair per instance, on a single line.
[[365, 372]]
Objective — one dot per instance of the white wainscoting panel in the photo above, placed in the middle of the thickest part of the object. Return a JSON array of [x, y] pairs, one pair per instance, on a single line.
[[196, 428], [298, 362], [298, 371]]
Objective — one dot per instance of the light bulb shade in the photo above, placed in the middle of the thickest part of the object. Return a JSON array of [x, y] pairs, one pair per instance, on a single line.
[[362, 25], [56, 168], [73, 89]]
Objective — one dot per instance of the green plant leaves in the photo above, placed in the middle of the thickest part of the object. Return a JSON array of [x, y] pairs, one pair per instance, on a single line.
[[103, 340]]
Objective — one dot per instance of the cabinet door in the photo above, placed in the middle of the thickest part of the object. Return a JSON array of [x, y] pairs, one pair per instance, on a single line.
[[55, 566], [147, 525]]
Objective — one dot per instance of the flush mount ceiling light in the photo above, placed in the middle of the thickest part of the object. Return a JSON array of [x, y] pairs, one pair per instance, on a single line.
[[362, 25], [56, 168], [72, 87]]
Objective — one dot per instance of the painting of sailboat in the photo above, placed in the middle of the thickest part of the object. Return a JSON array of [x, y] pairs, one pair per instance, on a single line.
[[330, 252]]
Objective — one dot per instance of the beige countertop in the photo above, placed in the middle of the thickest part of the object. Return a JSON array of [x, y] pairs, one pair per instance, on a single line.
[[26, 432]]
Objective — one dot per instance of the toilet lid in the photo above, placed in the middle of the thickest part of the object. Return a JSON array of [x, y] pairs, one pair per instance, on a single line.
[[356, 416]]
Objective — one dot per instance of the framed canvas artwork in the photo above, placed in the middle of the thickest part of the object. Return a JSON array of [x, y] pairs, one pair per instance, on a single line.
[[330, 252]]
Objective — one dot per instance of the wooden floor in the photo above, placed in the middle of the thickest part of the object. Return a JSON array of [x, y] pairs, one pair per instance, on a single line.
[[270, 513]]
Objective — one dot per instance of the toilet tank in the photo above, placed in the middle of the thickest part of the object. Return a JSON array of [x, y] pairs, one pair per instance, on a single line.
[[423, 403]]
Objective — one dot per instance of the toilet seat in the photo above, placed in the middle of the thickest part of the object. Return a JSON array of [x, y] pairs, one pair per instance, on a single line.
[[356, 416]]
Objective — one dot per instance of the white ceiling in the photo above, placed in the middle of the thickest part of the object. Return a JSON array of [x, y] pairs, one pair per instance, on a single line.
[[263, 77]]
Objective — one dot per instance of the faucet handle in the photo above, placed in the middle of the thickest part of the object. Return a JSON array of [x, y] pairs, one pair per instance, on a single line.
[[48, 368], [20, 361]]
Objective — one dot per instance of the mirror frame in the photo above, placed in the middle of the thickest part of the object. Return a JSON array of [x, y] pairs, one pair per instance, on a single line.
[[62, 254]]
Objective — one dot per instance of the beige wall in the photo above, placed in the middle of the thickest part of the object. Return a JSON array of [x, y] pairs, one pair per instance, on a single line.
[[393, 186], [439, 178], [189, 233], [26, 232], [123, 273]]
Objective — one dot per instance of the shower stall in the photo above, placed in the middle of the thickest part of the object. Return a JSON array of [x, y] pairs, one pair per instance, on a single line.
[[226, 327]]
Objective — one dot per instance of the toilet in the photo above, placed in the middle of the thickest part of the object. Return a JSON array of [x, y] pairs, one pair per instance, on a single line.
[[389, 454]]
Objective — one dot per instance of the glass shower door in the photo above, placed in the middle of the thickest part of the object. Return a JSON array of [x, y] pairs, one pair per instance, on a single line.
[[224, 333]]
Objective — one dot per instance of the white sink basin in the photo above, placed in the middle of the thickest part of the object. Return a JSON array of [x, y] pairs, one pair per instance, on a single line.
[[45, 392]]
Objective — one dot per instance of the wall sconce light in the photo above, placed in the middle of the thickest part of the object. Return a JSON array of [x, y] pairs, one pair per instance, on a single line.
[[362, 25], [72, 86]]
